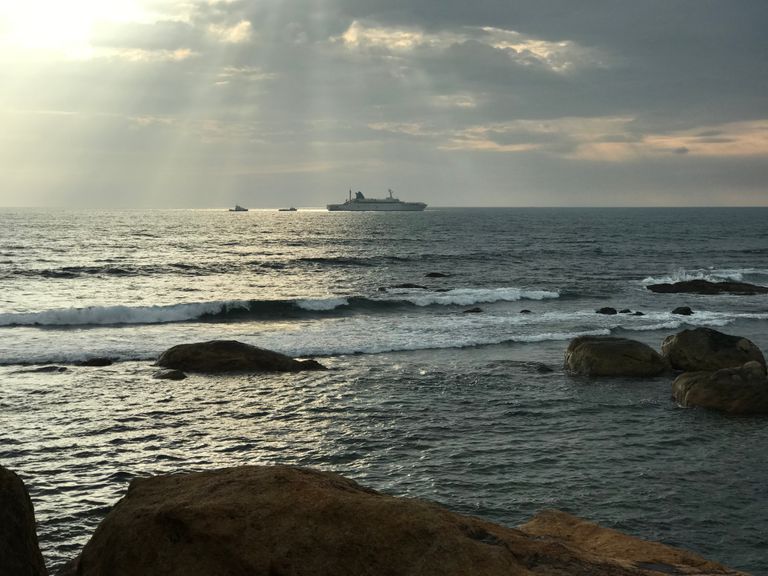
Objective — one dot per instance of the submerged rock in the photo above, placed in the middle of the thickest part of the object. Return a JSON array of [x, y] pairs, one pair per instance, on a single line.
[[231, 356], [19, 551], [607, 310], [611, 356], [291, 521], [97, 362], [42, 370], [683, 311], [436, 275], [169, 375], [475, 310], [707, 287], [742, 390], [708, 349]]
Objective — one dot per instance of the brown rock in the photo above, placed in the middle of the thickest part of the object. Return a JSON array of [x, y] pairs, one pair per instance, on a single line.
[[610, 356], [19, 551], [708, 349], [742, 390], [291, 521], [231, 356], [707, 287]]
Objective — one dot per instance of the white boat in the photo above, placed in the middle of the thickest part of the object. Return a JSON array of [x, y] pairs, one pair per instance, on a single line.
[[238, 208], [391, 204]]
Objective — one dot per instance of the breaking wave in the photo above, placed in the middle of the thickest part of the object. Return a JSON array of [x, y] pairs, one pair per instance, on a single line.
[[235, 310]]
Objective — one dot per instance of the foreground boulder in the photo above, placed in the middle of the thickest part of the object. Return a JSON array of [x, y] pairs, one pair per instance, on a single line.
[[19, 551], [742, 390], [707, 287], [708, 349], [610, 356], [231, 356], [299, 522]]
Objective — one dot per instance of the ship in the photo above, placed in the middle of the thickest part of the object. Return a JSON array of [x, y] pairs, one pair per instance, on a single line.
[[238, 208], [391, 204]]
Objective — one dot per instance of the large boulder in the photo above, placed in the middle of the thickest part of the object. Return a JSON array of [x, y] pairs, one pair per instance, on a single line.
[[19, 551], [742, 390], [708, 349], [706, 287], [292, 521], [611, 356], [231, 356]]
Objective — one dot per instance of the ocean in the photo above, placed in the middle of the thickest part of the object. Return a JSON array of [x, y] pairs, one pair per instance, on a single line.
[[422, 399]]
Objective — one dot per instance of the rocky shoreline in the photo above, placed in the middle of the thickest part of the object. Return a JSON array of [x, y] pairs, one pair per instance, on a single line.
[[283, 520]]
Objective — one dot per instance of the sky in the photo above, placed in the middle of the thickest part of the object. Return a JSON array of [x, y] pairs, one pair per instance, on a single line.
[[267, 103]]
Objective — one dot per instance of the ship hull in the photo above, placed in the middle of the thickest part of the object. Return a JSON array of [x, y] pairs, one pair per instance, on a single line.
[[358, 206]]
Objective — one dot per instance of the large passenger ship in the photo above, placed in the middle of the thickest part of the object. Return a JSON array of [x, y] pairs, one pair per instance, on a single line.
[[361, 203]]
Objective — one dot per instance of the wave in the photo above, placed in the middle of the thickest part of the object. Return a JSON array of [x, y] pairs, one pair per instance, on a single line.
[[235, 310], [709, 274]]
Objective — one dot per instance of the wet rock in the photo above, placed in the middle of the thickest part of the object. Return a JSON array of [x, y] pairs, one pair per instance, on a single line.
[[683, 311], [525, 311], [625, 311], [19, 551], [436, 275], [42, 370], [169, 375], [475, 310], [708, 349], [99, 361], [611, 356], [231, 356], [742, 390], [607, 310], [291, 521], [707, 287], [638, 313]]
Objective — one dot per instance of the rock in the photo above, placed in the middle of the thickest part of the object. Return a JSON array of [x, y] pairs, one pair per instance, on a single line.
[[708, 349], [42, 370], [169, 375], [683, 311], [611, 356], [742, 390], [707, 287], [625, 311], [231, 356], [638, 313], [284, 521], [525, 311], [19, 551], [475, 310], [607, 310], [99, 361], [436, 275]]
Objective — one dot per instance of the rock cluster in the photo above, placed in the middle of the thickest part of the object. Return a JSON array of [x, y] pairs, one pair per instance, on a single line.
[[292, 521], [720, 371]]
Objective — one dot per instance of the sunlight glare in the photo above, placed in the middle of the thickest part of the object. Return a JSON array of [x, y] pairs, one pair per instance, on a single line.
[[58, 26]]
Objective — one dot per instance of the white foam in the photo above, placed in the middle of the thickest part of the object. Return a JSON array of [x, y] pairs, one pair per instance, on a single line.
[[322, 304], [469, 296], [708, 274]]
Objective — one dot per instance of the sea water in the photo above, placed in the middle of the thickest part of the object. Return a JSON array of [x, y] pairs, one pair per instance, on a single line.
[[423, 398]]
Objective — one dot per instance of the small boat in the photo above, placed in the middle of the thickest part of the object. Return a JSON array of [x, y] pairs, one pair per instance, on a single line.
[[291, 209], [391, 204], [238, 208]]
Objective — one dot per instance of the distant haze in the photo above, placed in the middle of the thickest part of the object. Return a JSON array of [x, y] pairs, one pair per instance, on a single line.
[[269, 103]]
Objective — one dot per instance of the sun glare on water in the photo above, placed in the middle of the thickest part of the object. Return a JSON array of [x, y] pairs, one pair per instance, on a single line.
[[60, 26]]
